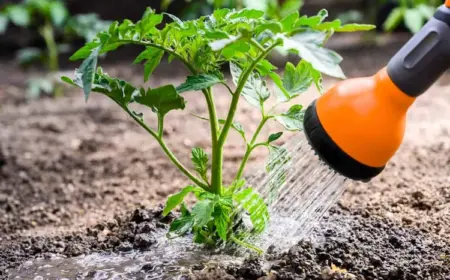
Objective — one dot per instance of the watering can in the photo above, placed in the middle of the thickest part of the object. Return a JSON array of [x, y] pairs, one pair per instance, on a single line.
[[359, 124]]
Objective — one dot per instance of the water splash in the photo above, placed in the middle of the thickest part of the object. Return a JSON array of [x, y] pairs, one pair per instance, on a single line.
[[299, 189]]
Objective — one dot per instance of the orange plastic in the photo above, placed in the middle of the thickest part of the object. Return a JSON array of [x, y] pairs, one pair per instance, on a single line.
[[366, 117], [447, 3]]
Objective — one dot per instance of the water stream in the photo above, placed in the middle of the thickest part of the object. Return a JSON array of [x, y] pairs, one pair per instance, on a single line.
[[299, 190]]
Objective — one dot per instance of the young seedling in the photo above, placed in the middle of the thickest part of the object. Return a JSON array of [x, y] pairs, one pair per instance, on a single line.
[[243, 40], [51, 19], [414, 14]]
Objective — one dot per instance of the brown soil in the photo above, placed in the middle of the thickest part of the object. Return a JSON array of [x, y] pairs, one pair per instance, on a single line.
[[67, 168]]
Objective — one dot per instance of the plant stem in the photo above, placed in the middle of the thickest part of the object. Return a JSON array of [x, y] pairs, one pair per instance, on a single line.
[[217, 152], [47, 32], [168, 152], [247, 245], [250, 147], [235, 100]]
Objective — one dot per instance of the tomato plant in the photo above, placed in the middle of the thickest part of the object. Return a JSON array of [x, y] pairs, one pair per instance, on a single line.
[[243, 40], [51, 18]]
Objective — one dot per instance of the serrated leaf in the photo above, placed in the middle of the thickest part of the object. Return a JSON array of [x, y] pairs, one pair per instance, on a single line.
[[236, 186], [353, 27], [87, 71], [19, 15], [58, 13], [200, 160], [296, 80], [222, 214], [153, 57], [118, 90], [248, 13], [293, 119], [216, 34], [161, 100], [290, 6], [199, 82], [288, 21], [222, 43], [274, 27], [265, 68], [202, 212], [394, 19], [178, 21], [309, 46], [174, 200], [3, 23], [257, 209], [180, 226], [414, 20], [274, 137], [255, 90]]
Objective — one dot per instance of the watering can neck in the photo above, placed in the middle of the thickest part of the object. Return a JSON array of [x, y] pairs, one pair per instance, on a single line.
[[425, 57]]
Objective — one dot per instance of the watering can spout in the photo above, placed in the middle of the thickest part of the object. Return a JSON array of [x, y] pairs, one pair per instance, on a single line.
[[359, 124]]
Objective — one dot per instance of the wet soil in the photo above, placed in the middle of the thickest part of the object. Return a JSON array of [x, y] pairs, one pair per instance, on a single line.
[[71, 175]]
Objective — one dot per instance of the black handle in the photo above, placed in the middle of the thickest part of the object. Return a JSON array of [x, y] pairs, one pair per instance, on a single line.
[[421, 61]]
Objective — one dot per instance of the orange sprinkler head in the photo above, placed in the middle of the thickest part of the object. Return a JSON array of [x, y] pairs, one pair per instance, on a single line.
[[358, 125]]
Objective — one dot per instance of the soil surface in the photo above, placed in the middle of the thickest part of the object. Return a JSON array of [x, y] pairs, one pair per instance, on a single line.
[[72, 175]]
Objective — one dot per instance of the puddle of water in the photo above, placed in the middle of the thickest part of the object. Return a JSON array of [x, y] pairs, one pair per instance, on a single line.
[[166, 260], [308, 189]]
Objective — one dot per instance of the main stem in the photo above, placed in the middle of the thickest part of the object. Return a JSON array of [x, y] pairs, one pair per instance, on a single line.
[[233, 107], [217, 154]]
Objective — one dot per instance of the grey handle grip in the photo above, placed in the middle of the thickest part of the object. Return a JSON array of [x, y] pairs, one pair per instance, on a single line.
[[426, 56]]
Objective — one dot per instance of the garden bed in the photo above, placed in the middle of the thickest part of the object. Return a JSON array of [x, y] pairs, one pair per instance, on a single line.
[[71, 175]]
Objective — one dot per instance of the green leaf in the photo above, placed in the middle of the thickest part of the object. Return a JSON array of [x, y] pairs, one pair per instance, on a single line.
[[414, 20], [394, 19], [293, 119], [199, 82], [288, 21], [265, 68], [58, 12], [3, 23], [19, 15], [309, 46], [119, 91], [236, 186], [178, 21], [353, 27], [180, 226], [153, 57], [253, 203], [222, 214], [296, 80], [255, 90], [222, 43], [202, 212], [274, 27], [290, 6], [248, 13], [29, 55], [216, 34], [87, 70], [37, 86], [200, 160], [426, 10], [174, 200], [161, 100], [274, 137]]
